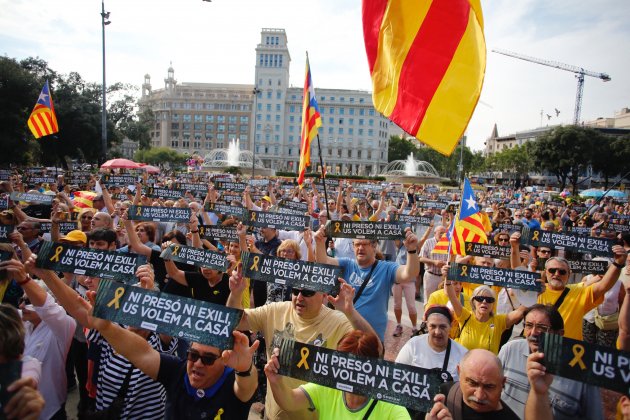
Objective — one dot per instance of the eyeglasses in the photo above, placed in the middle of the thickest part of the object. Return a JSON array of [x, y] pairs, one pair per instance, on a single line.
[[544, 251], [487, 299], [504, 239], [207, 359], [305, 293], [86, 217], [560, 271], [540, 327]]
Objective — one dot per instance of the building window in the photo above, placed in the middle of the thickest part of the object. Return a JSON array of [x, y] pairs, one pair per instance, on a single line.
[[232, 119], [278, 108], [231, 128], [244, 137], [186, 126], [331, 110], [174, 143], [221, 128], [243, 128], [198, 126], [269, 107], [198, 118], [186, 144], [175, 117], [220, 118], [209, 127], [220, 137], [174, 126], [187, 117]]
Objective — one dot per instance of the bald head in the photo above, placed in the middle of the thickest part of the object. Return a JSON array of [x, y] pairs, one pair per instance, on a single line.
[[481, 380], [101, 220], [480, 358]]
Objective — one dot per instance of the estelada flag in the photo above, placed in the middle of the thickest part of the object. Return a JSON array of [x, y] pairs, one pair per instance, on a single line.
[[84, 199], [427, 60], [444, 243], [43, 121], [311, 121], [469, 226]]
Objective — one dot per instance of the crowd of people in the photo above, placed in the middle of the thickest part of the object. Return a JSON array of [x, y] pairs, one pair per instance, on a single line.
[[484, 339]]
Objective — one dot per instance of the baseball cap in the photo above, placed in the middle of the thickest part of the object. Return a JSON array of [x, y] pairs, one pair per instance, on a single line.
[[75, 236], [267, 198]]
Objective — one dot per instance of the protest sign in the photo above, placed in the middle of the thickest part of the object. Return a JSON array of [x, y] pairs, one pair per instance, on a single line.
[[165, 193], [196, 189], [229, 185], [90, 262], [41, 180], [432, 204], [488, 250], [119, 180], [588, 266], [365, 230], [298, 206], [567, 240], [224, 209], [159, 214], [616, 227], [4, 203], [582, 230], [492, 276], [410, 220], [10, 372], [185, 318], [218, 233], [274, 220], [196, 256], [294, 273], [591, 364], [32, 197], [510, 228], [5, 174], [330, 183], [259, 183], [395, 383], [64, 227], [5, 230], [228, 196]]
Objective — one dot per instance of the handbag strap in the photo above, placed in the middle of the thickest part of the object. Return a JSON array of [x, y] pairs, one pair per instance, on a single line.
[[125, 385], [365, 282], [561, 298], [447, 355], [462, 328], [367, 413]]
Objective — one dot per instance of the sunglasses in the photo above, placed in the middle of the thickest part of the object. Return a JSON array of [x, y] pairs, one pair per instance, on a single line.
[[305, 293], [560, 271], [504, 239], [206, 359], [544, 251], [487, 299]]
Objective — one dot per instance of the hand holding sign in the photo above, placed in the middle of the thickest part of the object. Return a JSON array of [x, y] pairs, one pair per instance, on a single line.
[[539, 379], [411, 240], [240, 356], [26, 402]]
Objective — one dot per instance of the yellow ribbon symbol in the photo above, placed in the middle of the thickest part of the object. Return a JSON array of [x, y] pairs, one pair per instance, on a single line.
[[578, 352], [117, 295], [304, 352], [469, 247], [464, 272], [175, 250], [535, 235], [58, 251], [202, 230], [253, 217], [337, 227], [139, 211], [254, 266], [218, 416]]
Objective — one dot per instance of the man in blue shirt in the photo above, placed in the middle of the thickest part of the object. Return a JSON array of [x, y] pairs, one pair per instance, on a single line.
[[372, 303]]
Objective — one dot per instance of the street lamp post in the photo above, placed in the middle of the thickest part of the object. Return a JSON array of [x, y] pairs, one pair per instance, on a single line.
[[255, 91], [105, 21]]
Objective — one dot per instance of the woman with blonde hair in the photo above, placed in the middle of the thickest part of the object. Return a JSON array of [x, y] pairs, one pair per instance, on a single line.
[[480, 328], [290, 250]]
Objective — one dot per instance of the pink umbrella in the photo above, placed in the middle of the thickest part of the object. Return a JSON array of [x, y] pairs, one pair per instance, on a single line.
[[149, 168], [120, 163]]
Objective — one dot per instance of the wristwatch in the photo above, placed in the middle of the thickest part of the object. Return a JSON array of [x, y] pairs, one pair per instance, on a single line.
[[248, 372], [619, 266]]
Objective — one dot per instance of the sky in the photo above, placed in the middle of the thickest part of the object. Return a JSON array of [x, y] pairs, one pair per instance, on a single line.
[[214, 42]]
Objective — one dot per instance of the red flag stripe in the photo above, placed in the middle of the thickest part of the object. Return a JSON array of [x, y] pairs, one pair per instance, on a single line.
[[373, 12], [433, 35]]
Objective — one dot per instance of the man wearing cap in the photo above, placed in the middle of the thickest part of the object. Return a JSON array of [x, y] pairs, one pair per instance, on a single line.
[[434, 350], [305, 319]]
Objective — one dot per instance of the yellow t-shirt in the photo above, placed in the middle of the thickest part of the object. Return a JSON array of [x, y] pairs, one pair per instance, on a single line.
[[439, 297], [469, 288], [481, 335], [576, 304], [326, 329]]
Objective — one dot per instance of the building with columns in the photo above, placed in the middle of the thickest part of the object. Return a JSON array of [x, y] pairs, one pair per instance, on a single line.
[[266, 117]]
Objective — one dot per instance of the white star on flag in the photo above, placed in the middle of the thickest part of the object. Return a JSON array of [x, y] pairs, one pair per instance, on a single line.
[[42, 98], [471, 202]]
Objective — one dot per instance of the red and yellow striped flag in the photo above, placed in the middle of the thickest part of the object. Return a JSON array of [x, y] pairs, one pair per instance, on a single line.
[[427, 60], [43, 121], [311, 121]]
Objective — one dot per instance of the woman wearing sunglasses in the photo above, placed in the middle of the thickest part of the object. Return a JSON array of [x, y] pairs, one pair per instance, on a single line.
[[481, 328]]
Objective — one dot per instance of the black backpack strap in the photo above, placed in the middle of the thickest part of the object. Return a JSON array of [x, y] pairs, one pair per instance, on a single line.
[[459, 334], [365, 282], [447, 355], [561, 298], [367, 413]]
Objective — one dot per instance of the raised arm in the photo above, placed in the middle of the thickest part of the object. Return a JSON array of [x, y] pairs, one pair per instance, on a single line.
[[320, 248], [515, 316], [107, 199], [612, 274], [175, 273], [134, 242], [450, 292], [288, 399], [515, 251], [537, 406], [409, 272], [235, 299]]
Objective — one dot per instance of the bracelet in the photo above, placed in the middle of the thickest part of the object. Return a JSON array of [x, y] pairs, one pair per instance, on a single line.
[[413, 251], [194, 231], [23, 282], [248, 372], [619, 266]]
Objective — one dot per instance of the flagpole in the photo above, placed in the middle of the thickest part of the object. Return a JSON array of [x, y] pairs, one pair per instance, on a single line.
[[321, 163]]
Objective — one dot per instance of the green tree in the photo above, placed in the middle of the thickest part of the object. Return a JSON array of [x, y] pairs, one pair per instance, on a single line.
[[565, 152], [400, 148], [160, 156], [610, 156]]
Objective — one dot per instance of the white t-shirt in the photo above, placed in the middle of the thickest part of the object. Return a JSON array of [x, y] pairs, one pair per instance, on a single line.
[[417, 352]]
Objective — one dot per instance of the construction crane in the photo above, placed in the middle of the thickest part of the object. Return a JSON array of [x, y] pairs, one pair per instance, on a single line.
[[579, 74]]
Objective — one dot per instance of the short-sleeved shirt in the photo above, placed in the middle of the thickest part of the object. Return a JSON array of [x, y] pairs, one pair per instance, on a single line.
[[201, 290], [569, 399], [223, 404], [372, 304], [481, 335], [418, 352], [330, 404], [578, 302], [325, 330]]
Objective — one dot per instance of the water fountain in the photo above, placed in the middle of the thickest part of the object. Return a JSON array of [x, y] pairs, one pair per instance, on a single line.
[[411, 171], [219, 160]]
